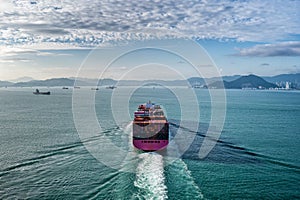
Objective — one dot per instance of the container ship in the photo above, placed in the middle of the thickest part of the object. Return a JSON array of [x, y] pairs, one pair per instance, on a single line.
[[150, 128], [37, 92]]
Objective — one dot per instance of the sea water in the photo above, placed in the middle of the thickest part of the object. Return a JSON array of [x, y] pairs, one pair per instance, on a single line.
[[43, 157]]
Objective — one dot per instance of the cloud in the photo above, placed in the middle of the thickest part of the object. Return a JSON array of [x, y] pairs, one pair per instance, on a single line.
[[84, 23], [12, 60], [291, 48], [12, 55], [16, 51], [5, 5]]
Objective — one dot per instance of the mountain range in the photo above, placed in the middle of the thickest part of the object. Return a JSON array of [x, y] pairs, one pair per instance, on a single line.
[[22, 79], [229, 82], [250, 81]]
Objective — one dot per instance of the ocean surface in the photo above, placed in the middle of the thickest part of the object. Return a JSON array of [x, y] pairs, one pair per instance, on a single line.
[[42, 156]]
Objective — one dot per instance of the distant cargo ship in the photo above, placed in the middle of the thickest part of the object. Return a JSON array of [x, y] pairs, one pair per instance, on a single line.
[[150, 128], [111, 87], [42, 93]]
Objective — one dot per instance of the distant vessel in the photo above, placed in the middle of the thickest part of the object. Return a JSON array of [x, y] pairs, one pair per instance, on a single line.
[[42, 93], [150, 128], [111, 87], [94, 88], [197, 86], [65, 88]]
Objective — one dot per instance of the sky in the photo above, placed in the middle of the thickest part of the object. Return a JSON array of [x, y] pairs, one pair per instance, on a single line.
[[54, 38]]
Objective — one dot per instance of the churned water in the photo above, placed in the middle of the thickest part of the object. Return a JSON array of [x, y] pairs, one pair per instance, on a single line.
[[256, 157]]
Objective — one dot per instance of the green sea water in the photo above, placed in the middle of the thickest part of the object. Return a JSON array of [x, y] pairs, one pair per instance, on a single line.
[[256, 157]]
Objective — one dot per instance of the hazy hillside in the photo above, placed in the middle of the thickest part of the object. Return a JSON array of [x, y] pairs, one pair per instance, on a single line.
[[5, 83], [235, 81], [250, 81], [22, 79], [294, 78], [47, 83]]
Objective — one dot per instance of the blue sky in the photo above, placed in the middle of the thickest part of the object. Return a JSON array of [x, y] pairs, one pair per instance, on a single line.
[[52, 38]]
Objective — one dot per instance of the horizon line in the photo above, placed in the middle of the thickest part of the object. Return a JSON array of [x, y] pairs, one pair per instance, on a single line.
[[76, 78]]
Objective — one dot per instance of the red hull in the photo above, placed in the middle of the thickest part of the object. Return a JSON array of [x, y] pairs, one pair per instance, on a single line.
[[150, 145]]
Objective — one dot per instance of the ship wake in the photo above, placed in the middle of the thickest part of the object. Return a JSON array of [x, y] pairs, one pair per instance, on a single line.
[[149, 171], [150, 178], [155, 172]]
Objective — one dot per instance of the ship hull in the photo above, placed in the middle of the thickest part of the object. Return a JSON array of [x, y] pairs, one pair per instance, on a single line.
[[150, 145], [151, 136], [41, 93]]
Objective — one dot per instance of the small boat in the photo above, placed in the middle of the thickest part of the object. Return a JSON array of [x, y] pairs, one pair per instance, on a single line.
[[94, 88], [150, 128], [111, 87], [42, 93], [65, 88]]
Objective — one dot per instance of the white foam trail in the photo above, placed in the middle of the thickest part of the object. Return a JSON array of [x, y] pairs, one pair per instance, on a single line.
[[128, 130], [149, 170], [181, 170], [130, 161], [150, 179], [183, 174]]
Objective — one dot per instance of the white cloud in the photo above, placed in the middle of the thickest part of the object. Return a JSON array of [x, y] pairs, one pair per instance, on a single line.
[[87, 23], [16, 51], [17, 55], [14, 59], [5, 5], [271, 50]]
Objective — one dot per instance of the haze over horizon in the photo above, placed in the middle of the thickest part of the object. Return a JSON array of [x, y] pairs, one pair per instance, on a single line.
[[49, 39], [27, 79]]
